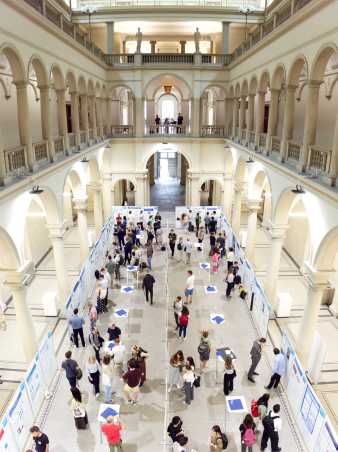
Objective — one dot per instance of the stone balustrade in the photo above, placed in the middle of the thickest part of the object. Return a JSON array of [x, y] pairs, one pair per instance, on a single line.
[[293, 151], [166, 130], [275, 144], [59, 145], [212, 131], [122, 131], [319, 159], [15, 161], [41, 151]]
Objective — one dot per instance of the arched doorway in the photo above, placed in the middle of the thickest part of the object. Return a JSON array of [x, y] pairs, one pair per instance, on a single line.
[[167, 175], [124, 190], [211, 193]]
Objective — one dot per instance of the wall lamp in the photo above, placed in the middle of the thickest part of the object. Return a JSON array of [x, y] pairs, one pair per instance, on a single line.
[[298, 190], [36, 190], [84, 160], [250, 160]]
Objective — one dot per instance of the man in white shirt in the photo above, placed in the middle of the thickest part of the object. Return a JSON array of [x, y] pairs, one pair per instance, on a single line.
[[118, 354], [272, 426], [278, 369], [189, 287]]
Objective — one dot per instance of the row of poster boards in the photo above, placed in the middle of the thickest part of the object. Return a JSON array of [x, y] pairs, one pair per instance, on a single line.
[[136, 213], [256, 297], [312, 420], [190, 213], [27, 400], [84, 286]]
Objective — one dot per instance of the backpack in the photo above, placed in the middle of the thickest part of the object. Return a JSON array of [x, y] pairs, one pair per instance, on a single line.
[[249, 437], [203, 348], [268, 423], [184, 320], [254, 408], [179, 246], [121, 260], [224, 441]]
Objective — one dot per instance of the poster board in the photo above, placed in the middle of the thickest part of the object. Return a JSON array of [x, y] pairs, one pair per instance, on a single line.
[[135, 212], [7, 440], [47, 359], [35, 385], [20, 416], [191, 212]]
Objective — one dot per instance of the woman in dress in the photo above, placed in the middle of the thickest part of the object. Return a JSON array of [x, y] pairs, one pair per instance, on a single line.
[[229, 375], [175, 368], [140, 355]]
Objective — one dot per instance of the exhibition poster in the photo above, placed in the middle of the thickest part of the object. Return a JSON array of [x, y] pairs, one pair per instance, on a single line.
[[47, 359], [20, 416], [7, 440]]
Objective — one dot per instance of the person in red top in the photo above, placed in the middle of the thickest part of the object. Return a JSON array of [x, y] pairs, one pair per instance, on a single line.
[[183, 323], [112, 432]]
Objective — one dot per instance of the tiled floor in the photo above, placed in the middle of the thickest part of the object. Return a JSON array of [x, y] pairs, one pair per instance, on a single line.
[[167, 194], [146, 422]]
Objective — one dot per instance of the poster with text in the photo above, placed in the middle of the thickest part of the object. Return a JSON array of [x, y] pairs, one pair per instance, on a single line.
[[7, 440], [20, 416], [35, 385], [47, 359]]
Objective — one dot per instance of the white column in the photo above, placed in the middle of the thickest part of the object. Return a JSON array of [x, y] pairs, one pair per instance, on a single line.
[[61, 106], [253, 206], [236, 213], [227, 196], [140, 195], [251, 110], [107, 196], [99, 107], [109, 115], [139, 117], [310, 127], [289, 113], [234, 116], [74, 98], [273, 114], [333, 169], [45, 120], [187, 188], [110, 37], [242, 115], [228, 115], [23, 122], [195, 189], [92, 111], [318, 281], [277, 233], [56, 235], [225, 35], [98, 208], [260, 116], [14, 280], [195, 116], [84, 114], [80, 205]]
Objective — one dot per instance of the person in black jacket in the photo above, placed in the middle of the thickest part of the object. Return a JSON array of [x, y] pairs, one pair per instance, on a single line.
[[148, 286], [113, 332], [128, 247], [175, 428]]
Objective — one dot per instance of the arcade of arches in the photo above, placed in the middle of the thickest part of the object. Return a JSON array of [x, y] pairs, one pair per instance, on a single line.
[[257, 137]]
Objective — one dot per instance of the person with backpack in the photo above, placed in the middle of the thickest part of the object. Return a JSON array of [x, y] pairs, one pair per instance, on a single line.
[[230, 284], [110, 266], [180, 248], [175, 368], [218, 439], [248, 435], [70, 366], [150, 252], [272, 424], [183, 323], [229, 376], [172, 237], [204, 350], [188, 384], [118, 261], [180, 443], [178, 306], [207, 222], [188, 250], [175, 428], [78, 409]]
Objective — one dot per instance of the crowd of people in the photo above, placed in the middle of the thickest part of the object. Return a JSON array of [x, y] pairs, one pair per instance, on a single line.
[[168, 125], [105, 367]]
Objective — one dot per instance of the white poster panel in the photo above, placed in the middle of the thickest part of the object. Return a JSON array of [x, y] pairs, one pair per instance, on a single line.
[[7, 440], [136, 213], [20, 416], [35, 385], [191, 212], [327, 440], [47, 359]]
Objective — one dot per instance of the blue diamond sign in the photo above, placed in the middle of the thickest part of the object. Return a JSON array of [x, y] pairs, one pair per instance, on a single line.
[[109, 412], [121, 313], [210, 289], [131, 268], [127, 289], [217, 319], [204, 265]]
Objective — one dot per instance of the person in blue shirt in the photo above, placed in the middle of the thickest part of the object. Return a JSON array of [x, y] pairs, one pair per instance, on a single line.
[[77, 322], [278, 369]]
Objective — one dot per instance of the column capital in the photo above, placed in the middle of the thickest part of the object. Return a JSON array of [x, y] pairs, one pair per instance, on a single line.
[[80, 203], [252, 95], [291, 88], [22, 84], [227, 177], [74, 92], [277, 231], [314, 83], [44, 88], [95, 186], [16, 278], [60, 90], [254, 204], [56, 231], [275, 90], [261, 92], [239, 186], [317, 279]]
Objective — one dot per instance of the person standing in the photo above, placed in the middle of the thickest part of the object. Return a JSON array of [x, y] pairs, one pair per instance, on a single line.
[[230, 258], [218, 440], [189, 287], [79, 410], [230, 284], [150, 252], [107, 378], [175, 428], [178, 305], [77, 322], [118, 354], [248, 435], [148, 286], [200, 237], [41, 439], [175, 367], [120, 236], [229, 376], [221, 244], [212, 241], [204, 350], [157, 122], [92, 314], [272, 424], [213, 225], [198, 220], [128, 247], [278, 369], [256, 355], [110, 266], [188, 250], [207, 222], [188, 384], [140, 355], [70, 366], [183, 323], [172, 237], [96, 342], [118, 261], [112, 431], [132, 380], [93, 373], [179, 123], [113, 332]]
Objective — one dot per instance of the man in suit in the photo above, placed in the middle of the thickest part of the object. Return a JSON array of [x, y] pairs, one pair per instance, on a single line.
[[148, 286], [256, 354]]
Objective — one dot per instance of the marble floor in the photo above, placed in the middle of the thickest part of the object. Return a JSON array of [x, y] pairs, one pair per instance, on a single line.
[[167, 194], [152, 327]]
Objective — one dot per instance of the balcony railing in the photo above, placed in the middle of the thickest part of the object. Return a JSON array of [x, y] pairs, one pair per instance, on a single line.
[[262, 140], [91, 134], [212, 131], [319, 158], [15, 161], [83, 136], [167, 58], [252, 136], [237, 132], [119, 59], [166, 130], [122, 131], [275, 144], [231, 4], [293, 151], [243, 135], [72, 139], [215, 59], [41, 151], [127, 60], [59, 145]]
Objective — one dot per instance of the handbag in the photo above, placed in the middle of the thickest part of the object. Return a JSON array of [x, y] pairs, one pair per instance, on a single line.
[[197, 381], [78, 373]]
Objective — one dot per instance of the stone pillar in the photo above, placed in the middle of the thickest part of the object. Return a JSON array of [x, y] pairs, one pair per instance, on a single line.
[[56, 235], [25, 329], [228, 114], [277, 233], [92, 115], [183, 44], [61, 101], [195, 119], [99, 102], [251, 110], [273, 114], [289, 113], [234, 116], [84, 114], [227, 196], [140, 195], [80, 205], [153, 46], [260, 116], [45, 120], [225, 35], [241, 123], [107, 196], [23, 122], [139, 117], [195, 189], [253, 206], [236, 213], [109, 115], [98, 207], [310, 128], [187, 188], [110, 37], [333, 169], [74, 99], [318, 281]]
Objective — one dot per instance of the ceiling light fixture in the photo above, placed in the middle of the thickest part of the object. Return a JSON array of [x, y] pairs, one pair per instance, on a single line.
[[298, 190], [36, 190]]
